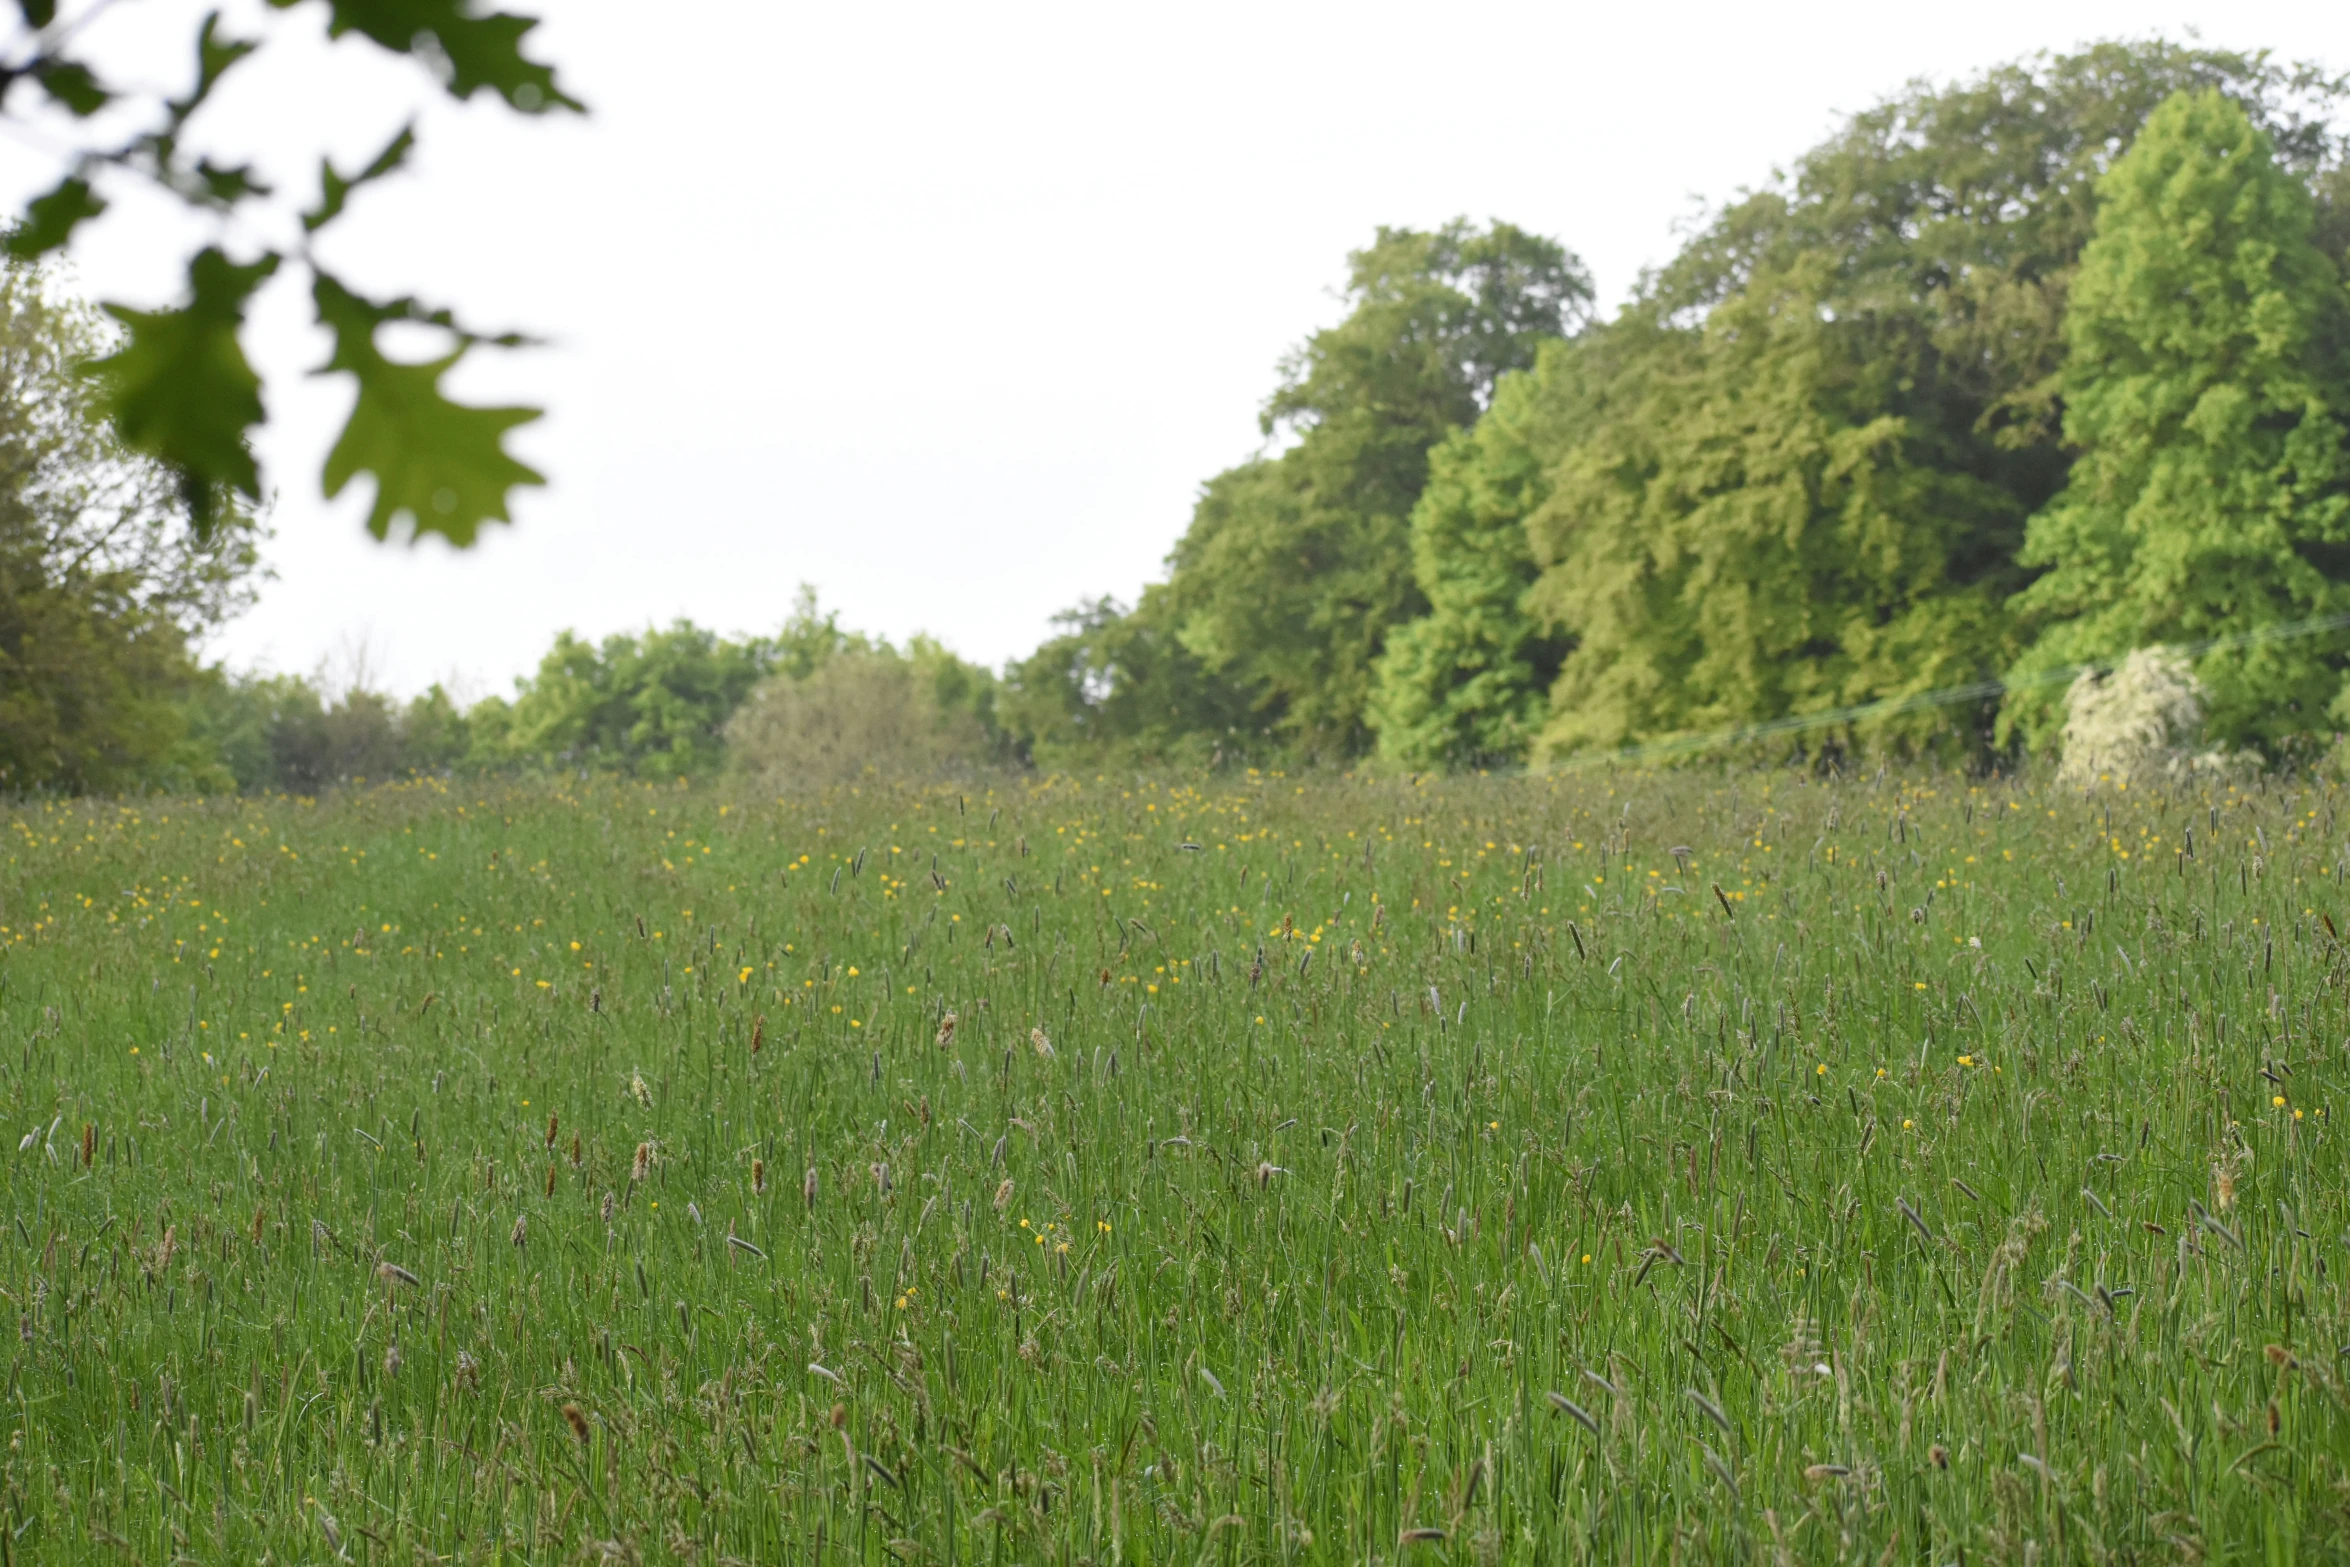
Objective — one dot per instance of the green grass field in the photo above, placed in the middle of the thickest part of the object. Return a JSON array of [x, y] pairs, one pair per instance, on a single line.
[[1245, 1170]]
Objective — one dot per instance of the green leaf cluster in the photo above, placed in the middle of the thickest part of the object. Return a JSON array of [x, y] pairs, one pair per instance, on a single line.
[[180, 387]]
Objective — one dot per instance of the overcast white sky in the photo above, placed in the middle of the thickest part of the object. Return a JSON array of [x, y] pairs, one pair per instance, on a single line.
[[947, 310]]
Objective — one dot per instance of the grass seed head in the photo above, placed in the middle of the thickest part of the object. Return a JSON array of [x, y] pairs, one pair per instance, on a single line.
[[758, 1177], [642, 1164], [1003, 1194], [808, 1188], [577, 1421], [550, 1131]]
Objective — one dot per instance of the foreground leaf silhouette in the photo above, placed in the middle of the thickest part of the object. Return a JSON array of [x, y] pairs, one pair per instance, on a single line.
[[441, 463], [181, 388]]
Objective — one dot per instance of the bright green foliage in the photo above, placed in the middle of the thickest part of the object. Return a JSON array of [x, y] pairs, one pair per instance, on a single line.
[[1468, 683], [810, 635], [1749, 529], [1826, 422], [655, 704], [2208, 391], [658, 705], [1297, 565], [181, 389], [103, 578], [1299, 1167]]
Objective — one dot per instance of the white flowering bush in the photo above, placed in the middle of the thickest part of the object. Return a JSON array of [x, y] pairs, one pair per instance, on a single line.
[[2139, 722]]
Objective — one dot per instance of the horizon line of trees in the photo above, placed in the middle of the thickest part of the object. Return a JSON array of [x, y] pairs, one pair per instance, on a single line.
[[2005, 376]]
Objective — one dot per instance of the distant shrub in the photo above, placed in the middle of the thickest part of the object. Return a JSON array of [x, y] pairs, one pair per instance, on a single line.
[[2140, 722], [865, 713]]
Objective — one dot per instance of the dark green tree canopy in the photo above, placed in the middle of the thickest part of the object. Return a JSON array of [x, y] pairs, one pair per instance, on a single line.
[[1436, 319]]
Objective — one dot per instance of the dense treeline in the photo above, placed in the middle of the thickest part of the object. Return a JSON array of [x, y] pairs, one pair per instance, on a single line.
[[2006, 375], [2005, 378], [811, 704]]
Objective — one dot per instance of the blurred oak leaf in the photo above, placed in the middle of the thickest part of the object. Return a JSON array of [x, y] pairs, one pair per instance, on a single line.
[[440, 463]]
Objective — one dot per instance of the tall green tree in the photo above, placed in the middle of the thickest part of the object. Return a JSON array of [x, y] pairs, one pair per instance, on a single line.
[[1828, 418], [2208, 389], [1297, 565], [1468, 683], [104, 579]]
